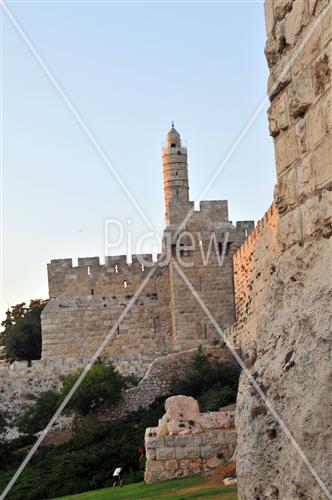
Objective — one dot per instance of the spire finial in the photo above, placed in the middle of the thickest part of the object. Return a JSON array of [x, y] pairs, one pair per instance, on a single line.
[[172, 124]]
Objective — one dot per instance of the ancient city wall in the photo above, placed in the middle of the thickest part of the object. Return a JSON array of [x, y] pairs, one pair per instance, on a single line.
[[253, 267], [159, 378], [86, 300], [20, 383], [284, 317]]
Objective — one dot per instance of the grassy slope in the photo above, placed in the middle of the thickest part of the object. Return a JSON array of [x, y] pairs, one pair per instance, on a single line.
[[180, 489]]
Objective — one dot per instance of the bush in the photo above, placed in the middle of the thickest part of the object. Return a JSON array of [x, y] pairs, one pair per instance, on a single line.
[[37, 417], [86, 430], [213, 383], [102, 387], [215, 398]]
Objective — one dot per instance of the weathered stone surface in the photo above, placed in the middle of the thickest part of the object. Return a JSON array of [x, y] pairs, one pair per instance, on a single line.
[[300, 94], [184, 407], [191, 453], [165, 453], [283, 284]]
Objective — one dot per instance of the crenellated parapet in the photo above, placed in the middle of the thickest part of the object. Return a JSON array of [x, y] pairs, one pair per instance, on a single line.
[[90, 277]]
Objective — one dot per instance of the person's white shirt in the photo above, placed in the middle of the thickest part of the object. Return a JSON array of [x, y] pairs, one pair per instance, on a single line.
[[117, 471]]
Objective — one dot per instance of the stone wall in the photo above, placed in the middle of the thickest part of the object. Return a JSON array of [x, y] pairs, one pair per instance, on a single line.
[[86, 300], [254, 264], [159, 378], [284, 318], [187, 442], [20, 383]]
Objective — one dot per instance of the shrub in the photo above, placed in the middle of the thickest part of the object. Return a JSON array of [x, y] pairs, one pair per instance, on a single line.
[[216, 397], [86, 430], [102, 387], [37, 417], [213, 383]]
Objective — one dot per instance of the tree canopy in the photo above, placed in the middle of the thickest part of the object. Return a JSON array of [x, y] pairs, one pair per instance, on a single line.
[[21, 333]]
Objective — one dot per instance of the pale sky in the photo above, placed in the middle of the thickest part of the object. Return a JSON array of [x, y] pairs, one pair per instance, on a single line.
[[129, 68]]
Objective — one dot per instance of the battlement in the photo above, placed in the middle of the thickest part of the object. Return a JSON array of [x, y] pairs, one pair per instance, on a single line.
[[89, 277], [84, 262], [269, 219]]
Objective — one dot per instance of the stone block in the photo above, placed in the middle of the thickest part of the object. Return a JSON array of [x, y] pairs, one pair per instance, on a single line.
[[286, 150], [150, 453], [318, 122], [165, 453], [322, 73], [155, 443], [290, 228], [171, 466], [300, 94], [302, 135], [295, 20], [187, 452], [185, 440], [210, 437], [322, 163], [197, 439], [278, 115], [190, 466], [305, 177], [208, 451], [269, 17], [317, 214], [214, 462], [169, 440]]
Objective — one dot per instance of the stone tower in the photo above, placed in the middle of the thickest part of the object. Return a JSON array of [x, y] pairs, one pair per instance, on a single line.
[[175, 170]]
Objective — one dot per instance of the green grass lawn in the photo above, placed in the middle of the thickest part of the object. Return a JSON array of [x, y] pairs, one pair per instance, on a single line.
[[180, 489]]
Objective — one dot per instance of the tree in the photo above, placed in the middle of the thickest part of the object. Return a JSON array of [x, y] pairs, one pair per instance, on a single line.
[[4, 448], [102, 387], [37, 417], [22, 330]]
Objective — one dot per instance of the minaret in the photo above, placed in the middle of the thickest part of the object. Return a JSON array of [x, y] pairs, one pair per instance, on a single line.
[[175, 169]]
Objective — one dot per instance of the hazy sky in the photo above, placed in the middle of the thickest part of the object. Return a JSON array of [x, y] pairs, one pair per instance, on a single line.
[[129, 69]]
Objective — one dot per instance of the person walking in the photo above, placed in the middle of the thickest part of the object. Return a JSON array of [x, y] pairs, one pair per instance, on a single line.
[[117, 481]]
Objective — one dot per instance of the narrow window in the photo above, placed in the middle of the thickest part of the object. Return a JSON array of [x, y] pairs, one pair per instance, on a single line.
[[92, 291], [177, 192], [173, 145], [89, 272], [125, 283], [118, 330], [176, 173], [205, 331], [221, 248]]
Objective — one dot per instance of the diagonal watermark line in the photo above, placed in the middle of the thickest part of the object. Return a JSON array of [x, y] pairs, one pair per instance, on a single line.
[[80, 379], [76, 114], [252, 380]]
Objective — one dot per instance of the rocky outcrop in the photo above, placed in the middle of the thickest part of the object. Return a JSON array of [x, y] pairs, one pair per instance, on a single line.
[[187, 442]]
